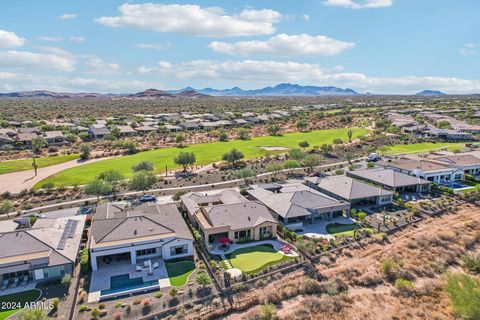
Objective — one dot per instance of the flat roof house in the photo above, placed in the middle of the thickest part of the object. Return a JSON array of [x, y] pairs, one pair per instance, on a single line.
[[145, 232], [228, 214], [424, 168], [351, 190], [295, 202], [392, 180], [44, 252]]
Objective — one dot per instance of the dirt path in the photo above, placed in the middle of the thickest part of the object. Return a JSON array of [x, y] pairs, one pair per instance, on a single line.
[[16, 182]]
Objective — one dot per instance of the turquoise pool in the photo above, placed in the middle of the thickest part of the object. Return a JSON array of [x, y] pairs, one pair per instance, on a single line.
[[123, 283]]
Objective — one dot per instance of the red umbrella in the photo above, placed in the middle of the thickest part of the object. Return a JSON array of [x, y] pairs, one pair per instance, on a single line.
[[224, 240]]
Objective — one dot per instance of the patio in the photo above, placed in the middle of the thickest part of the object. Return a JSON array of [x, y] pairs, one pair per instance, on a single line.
[[318, 229], [101, 278], [20, 288]]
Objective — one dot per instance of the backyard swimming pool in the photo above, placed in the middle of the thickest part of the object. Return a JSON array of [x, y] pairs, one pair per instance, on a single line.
[[123, 283], [455, 185]]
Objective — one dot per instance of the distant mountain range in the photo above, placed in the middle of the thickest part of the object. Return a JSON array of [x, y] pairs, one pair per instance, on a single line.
[[281, 90], [430, 93]]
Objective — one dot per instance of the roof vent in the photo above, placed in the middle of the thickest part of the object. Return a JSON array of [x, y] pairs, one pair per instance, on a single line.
[[248, 218], [135, 232]]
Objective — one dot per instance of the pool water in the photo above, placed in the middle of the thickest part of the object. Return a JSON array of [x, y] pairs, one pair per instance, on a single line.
[[456, 185], [125, 283]]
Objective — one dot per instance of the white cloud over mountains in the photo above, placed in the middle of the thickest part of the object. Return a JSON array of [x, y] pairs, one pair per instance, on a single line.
[[193, 20], [13, 59], [10, 39], [285, 45], [359, 4]]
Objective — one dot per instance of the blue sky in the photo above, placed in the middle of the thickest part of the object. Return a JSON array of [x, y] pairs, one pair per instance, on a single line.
[[378, 46]]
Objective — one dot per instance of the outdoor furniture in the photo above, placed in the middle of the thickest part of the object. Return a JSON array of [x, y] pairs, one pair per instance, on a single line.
[[25, 281], [5, 284], [155, 265], [15, 282], [146, 263], [139, 268]]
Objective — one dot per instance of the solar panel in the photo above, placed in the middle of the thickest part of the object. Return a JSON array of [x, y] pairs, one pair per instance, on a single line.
[[68, 232], [73, 228]]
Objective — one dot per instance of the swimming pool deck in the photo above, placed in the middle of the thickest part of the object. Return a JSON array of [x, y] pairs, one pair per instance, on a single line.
[[101, 277]]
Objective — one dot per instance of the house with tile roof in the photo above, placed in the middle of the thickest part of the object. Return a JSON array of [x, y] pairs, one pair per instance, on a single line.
[[227, 214], [392, 180], [144, 232], [294, 202]]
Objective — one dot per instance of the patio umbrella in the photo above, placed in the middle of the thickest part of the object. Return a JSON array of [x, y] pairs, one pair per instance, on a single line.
[[224, 240]]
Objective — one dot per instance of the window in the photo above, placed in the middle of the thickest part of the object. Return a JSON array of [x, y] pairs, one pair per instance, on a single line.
[[243, 234], [176, 250], [146, 252]]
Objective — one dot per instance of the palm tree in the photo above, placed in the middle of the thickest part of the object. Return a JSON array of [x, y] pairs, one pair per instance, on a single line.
[[37, 144]]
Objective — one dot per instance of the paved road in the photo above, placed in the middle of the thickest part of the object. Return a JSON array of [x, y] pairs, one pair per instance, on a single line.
[[16, 182]]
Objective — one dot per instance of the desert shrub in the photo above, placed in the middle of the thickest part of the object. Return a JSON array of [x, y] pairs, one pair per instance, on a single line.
[[388, 266], [472, 262], [404, 286], [464, 293], [310, 286]]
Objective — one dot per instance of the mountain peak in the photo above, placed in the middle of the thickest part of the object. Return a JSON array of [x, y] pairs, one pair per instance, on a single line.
[[429, 93]]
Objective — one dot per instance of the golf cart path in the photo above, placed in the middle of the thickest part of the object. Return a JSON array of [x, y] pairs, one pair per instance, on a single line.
[[15, 182]]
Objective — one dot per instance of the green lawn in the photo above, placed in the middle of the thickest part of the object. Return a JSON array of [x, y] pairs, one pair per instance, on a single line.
[[206, 153], [178, 272], [338, 229], [423, 147], [17, 298], [26, 164], [254, 259]]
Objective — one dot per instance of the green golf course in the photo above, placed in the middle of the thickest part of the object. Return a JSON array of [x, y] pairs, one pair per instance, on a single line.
[[423, 147], [26, 164], [206, 153]]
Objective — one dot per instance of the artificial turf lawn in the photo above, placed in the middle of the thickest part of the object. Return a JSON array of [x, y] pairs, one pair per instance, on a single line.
[[422, 147], [26, 164], [178, 272], [19, 298], [205, 153], [254, 259], [338, 229]]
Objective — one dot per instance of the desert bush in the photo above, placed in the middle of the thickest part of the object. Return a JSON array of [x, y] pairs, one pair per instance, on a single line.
[[472, 262], [404, 286], [464, 293]]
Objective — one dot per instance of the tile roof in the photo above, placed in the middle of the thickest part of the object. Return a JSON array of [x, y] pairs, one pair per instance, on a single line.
[[388, 177]]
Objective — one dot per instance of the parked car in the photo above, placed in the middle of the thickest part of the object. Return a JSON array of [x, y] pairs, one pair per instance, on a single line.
[[147, 198], [373, 157]]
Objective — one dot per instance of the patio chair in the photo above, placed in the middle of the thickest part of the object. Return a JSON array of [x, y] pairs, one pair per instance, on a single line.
[[155, 265], [139, 268], [15, 282], [25, 281], [5, 284], [146, 263]]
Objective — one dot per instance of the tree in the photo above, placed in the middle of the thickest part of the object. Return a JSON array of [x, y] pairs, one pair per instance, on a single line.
[[243, 134], [142, 180], [113, 177], [246, 173], [143, 166], [98, 187], [296, 154], [273, 129], [359, 222], [5, 207], [180, 139], [203, 279], [67, 279], [33, 314], [84, 151], [464, 293], [350, 134], [301, 124], [311, 161], [222, 136], [185, 159], [233, 156], [303, 144], [37, 144]]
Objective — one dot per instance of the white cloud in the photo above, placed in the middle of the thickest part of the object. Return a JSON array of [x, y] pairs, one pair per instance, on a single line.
[[156, 46], [77, 39], [285, 45], [10, 40], [50, 39], [255, 73], [469, 49], [193, 20], [101, 66], [306, 17], [359, 4], [30, 60], [68, 16]]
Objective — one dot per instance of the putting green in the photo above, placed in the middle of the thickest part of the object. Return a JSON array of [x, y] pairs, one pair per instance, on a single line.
[[338, 229], [254, 259], [16, 301], [205, 153], [178, 272]]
